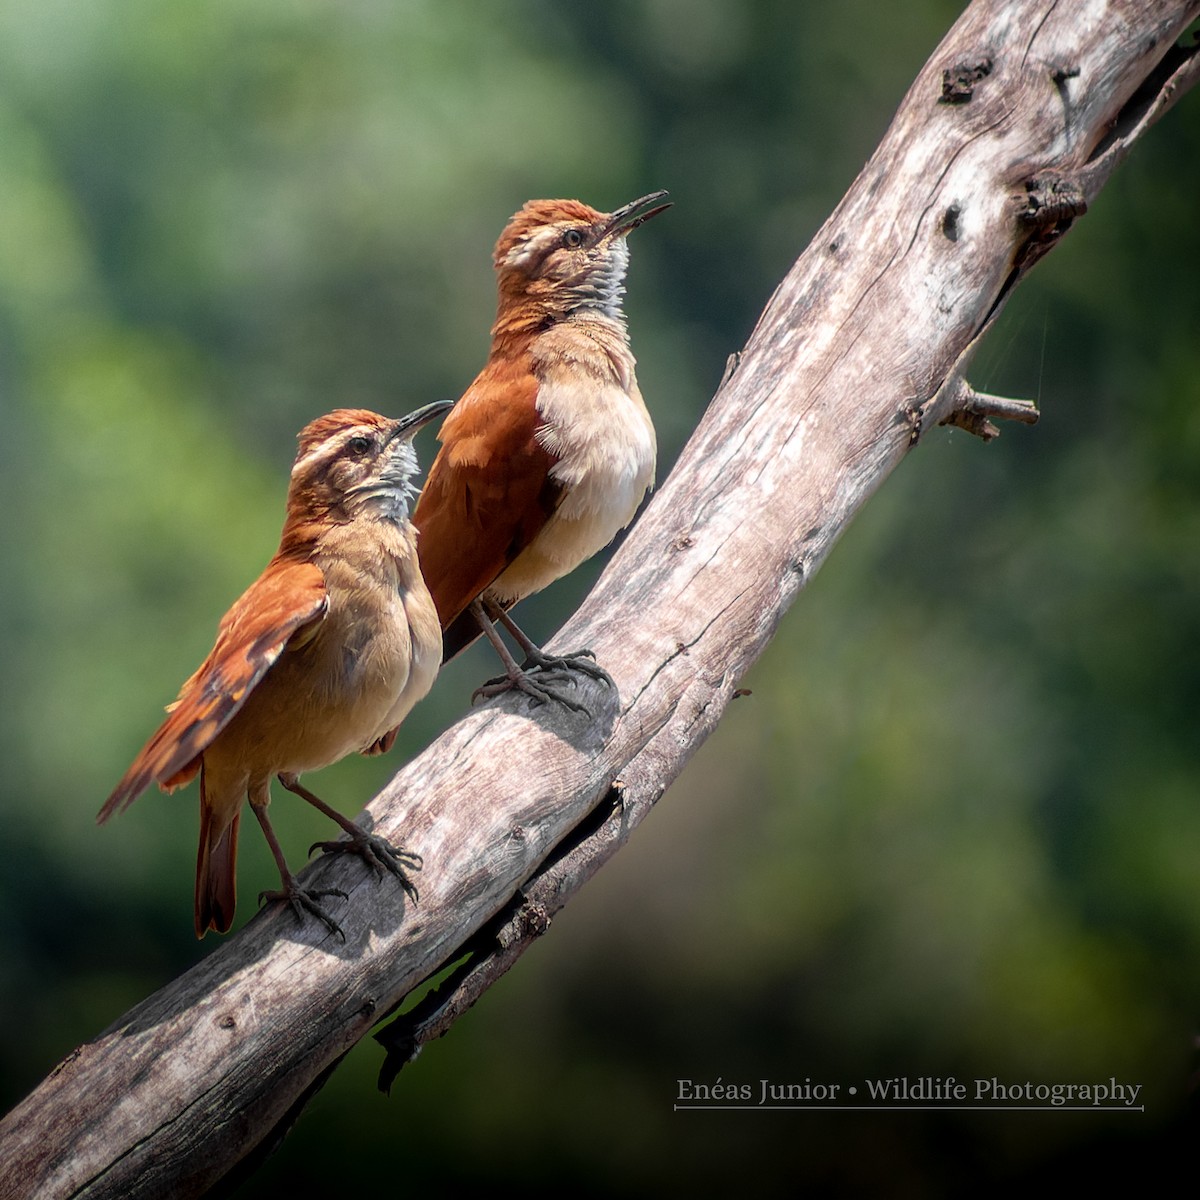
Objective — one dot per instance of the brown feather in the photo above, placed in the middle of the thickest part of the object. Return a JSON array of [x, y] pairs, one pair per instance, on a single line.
[[489, 490], [282, 603], [216, 872]]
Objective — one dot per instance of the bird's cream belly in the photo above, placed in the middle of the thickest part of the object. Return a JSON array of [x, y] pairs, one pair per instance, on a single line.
[[288, 727], [425, 643], [604, 443], [565, 541]]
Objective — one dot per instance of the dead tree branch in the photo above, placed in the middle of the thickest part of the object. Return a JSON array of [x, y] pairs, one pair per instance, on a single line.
[[1006, 136]]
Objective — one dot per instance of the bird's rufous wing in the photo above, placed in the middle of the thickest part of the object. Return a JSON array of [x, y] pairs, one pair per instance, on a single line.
[[285, 604], [489, 490]]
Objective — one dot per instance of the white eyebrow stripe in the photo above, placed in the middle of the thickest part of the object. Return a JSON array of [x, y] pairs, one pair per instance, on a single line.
[[331, 446], [533, 246]]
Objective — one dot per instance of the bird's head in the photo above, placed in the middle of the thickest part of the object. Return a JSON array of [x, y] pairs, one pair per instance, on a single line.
[[351, 459], [556, 257]]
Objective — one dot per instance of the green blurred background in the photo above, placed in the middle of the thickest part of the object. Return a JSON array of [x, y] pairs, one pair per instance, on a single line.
[[954, 830]]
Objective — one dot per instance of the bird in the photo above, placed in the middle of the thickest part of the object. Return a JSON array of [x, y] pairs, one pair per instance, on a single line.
[[550, 451], [325, 653]]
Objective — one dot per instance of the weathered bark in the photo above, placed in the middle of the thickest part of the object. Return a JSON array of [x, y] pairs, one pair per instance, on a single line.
[[1008, 132]]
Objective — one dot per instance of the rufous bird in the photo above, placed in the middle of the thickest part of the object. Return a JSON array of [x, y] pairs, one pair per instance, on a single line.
[[326, 652], [549, 453]]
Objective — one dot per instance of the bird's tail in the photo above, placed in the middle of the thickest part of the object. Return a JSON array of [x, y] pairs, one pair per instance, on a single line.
[[216, 871]]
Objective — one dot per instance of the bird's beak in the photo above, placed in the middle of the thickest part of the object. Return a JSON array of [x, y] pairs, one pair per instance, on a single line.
[[630, 216], [408, 426]]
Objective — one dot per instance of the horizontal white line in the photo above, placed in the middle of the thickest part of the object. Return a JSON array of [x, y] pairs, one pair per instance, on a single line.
[[913, 1107]]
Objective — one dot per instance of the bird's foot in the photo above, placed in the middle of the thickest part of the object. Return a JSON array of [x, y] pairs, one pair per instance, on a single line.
[[304, 900], [379, 854], [548, 677], [539, 689], [583, 661]]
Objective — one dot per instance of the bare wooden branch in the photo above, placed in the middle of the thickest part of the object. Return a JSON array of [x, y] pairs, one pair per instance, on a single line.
[[972, 409], [1006, 135]]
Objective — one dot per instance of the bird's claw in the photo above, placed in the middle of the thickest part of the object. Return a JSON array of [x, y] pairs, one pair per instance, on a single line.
[[583, 661], [380, 855], [542, 673], [304, 900], [538, 690]]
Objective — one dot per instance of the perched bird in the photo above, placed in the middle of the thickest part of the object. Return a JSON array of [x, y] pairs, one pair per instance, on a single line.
[[548, 454], [326, 652]]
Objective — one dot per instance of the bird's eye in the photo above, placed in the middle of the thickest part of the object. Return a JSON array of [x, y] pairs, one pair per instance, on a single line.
[[573, 239], [359, 444]]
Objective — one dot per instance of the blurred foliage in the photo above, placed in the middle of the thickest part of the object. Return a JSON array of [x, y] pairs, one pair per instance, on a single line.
[[954, 830]]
